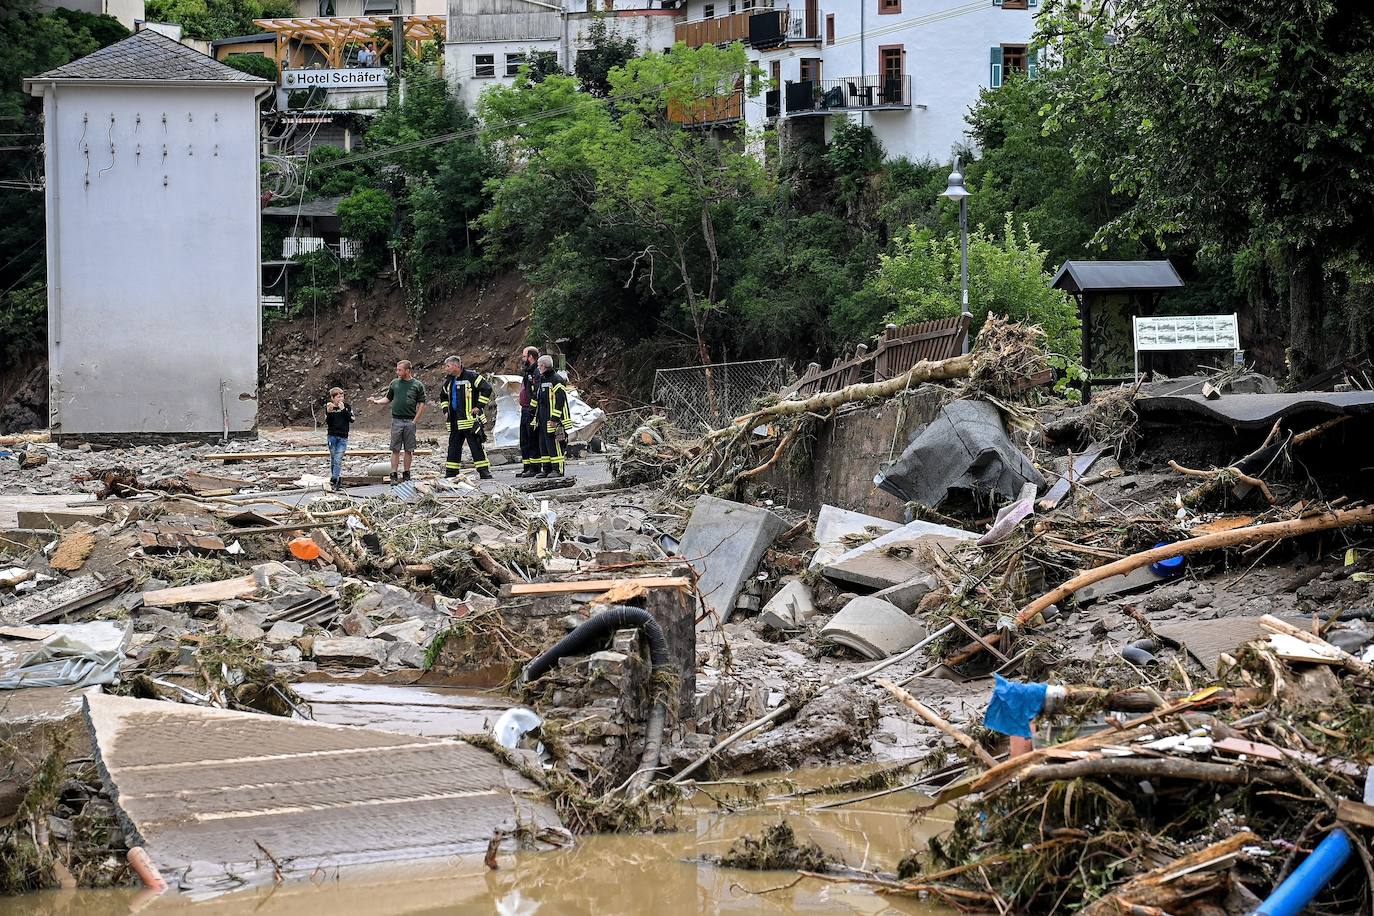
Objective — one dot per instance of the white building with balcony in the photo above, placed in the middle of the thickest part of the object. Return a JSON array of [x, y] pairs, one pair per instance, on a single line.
[[488, 40], [910, 69]]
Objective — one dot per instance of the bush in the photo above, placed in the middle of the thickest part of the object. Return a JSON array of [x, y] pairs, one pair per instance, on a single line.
[[253, 65], [1007, 276]]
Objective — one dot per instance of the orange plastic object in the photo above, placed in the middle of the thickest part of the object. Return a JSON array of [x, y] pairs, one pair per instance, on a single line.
[[304, 549], [146, 871]]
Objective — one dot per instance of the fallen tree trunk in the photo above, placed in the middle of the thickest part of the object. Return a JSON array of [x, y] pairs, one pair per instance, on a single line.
[[1162, 768], [1272, 531], [922, 372]]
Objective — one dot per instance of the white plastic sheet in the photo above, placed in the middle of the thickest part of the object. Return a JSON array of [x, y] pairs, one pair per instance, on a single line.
[[506, 388]]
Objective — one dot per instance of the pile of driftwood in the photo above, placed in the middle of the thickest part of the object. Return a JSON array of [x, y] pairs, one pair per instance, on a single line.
[[1196, 802]]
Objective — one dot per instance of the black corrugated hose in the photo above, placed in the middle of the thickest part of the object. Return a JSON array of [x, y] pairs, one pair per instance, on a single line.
[[597, 630]]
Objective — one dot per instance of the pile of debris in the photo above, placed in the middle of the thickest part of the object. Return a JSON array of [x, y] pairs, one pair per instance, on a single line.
[[1128, 641]]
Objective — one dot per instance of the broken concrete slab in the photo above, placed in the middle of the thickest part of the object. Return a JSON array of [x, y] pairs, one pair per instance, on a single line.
[[211, 793], [239, 624], [724, 542], [907, 595], [1206, 640], [284, 632], [350, 650], [790, 606], [874, 628], [1132, 581], [834, 524], [895, 557]]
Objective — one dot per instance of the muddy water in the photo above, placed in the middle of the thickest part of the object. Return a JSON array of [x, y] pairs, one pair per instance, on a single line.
[[601, 875]]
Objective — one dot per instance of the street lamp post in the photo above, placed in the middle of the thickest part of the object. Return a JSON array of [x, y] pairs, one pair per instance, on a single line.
[[957, 191]]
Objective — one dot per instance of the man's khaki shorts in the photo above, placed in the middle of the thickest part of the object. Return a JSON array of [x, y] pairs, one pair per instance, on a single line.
[[402, 435]]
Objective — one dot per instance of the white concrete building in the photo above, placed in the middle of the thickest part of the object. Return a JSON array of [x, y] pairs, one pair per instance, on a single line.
[[489, 39], [910, 69], [151, 167]]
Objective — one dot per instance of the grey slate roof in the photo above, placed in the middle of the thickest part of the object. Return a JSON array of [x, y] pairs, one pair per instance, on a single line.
[[1118, 276], [322, 206], [148, 55]]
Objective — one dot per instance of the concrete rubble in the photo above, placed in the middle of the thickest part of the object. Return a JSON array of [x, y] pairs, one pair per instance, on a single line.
[[1145, 611]]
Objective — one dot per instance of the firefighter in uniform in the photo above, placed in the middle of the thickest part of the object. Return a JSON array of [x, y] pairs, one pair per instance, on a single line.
[[531, 462], [552, 418], [465, 395]]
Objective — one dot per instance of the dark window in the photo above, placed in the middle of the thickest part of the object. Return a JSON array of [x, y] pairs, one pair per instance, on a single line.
[[513, 62], [1013, 59], [830, 28], [889, 6], [811, 69], [1015, 5], [709, 11], [483, 66], [775, 71]]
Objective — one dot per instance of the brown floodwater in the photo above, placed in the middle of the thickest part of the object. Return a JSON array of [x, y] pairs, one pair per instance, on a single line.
[[599, 876], [602, 875]]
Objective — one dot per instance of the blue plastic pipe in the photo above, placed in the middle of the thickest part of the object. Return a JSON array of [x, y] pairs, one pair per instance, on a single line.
[[1307, 880]]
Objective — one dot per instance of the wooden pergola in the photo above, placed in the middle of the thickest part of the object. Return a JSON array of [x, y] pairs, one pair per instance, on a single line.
[[331, 35]]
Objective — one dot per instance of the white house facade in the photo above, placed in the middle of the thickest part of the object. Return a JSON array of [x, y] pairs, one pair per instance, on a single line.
[[151, 172], [488, 40], [910, 69]]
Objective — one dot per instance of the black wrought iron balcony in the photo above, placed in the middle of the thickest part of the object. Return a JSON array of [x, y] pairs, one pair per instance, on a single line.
[[855, 93]]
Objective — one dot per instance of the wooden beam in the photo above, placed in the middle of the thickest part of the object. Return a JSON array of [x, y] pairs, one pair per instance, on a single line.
[[309, 453], [591, 585], [203, 592]]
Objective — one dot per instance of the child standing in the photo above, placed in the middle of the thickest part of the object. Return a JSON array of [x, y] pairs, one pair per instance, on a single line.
[[338, 417]]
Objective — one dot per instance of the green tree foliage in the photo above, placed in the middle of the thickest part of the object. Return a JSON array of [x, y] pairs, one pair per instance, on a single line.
[[676, 185], [1231, 124], [253, 65], [211, 20], [428, 109], [608, 51], [1031, 171], [1007, 276], [34, 42]]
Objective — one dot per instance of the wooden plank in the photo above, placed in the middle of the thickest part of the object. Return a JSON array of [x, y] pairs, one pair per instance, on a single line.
[[592, 585], [1353, 812], [26, 632], [228, 457], [202, 593]]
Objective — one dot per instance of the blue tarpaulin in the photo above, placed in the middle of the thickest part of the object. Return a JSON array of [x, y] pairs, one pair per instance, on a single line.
[[1013, 705]]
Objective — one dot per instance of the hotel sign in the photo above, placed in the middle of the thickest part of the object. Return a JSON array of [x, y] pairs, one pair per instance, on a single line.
[[354, 78]]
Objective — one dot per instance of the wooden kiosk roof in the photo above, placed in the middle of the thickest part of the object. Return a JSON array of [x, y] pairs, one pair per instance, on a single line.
[[332, 34]]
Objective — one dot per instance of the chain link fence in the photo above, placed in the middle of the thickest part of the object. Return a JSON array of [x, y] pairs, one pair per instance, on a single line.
[[685, 394]]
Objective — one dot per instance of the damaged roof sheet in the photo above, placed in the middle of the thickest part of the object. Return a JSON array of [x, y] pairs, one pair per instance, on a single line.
[[1248, 410], [210, 790]]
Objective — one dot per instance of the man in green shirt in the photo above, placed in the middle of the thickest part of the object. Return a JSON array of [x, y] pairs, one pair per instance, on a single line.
[[407, 399]]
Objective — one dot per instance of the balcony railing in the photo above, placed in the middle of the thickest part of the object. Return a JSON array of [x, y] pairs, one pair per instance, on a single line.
[[718, 31], [759, 28], [773, 28], [855, 93], [703, 112], [294, 246]]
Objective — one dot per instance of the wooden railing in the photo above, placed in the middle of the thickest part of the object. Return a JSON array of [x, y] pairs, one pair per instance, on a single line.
[[720, 30], [716, 110], [900, 348]]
